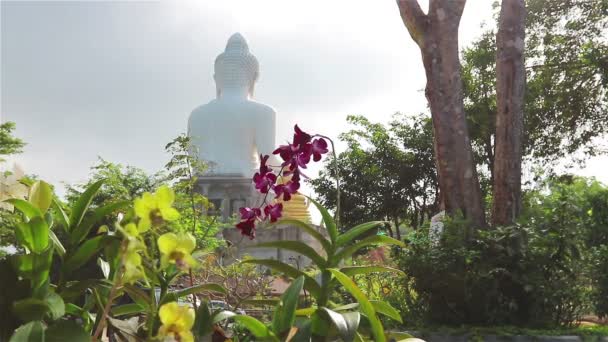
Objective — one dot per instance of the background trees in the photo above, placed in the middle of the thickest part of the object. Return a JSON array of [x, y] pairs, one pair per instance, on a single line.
[[386, 172]]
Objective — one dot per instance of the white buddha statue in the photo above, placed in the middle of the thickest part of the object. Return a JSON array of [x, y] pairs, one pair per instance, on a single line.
[[231, 131]]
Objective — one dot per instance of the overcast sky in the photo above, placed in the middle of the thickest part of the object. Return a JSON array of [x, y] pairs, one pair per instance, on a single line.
[[119, 79]]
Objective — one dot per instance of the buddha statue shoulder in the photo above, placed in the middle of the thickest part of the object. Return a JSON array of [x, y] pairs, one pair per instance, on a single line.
[[231, 131]]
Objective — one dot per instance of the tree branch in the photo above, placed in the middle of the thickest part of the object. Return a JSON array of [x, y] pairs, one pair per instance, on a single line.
[[414, 19]]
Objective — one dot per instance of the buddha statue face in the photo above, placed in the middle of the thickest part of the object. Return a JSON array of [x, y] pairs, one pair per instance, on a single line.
[[236, 69]]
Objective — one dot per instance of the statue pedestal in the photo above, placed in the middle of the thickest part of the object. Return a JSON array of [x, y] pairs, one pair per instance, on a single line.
[[228, 193], [241, 246]]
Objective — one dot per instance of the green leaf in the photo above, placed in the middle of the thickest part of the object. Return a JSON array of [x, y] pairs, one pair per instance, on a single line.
[[312, 231], [57, 244], [346, 307], [261, 302], [173, 296], [222, 315], [25, 207], [56, 305], [202, 322], [387, 310], [82, 230], [63, 218], [328, 220], [295, 246], [284, 314], [347, 251], [352, 321], [306, 312], [30, 309], [257, 328], [34, 266], [41, 196], [354, 270], [309, 283], [36, 234], [85, 252], [104, 266], [338, 321], [127, 309], [365, 306], [139, 296], [82, 204], [353, 233], [30, 332], [64, 331]]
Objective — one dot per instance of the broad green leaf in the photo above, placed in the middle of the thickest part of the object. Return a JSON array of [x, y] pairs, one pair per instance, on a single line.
[[312, 231], [349, 250], [386, 309], [104, 266], [365, 306], [63, 217], [57, 244], [356, 231], [354, 270], [257, 328], [41, 196], [127, 309], [30, 332], [64, 331], [346, 307], [352, 321], [328, 221], [304, 332], [261, 302], [307, 312], [34, 266], [82, 204], [284, 314], [39, 233], [202, 323], [56, 305], [338, 322], [30, 309], [309, 283], [295, 246], [82, 230], [139, 296], [25, 207], [85, 252], [173, 296], [222, 315]]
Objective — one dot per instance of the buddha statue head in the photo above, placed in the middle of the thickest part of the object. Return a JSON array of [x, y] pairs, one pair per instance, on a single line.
[[236, 69]]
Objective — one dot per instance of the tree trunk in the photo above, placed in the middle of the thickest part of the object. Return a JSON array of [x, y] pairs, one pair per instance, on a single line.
[[436, 34], [510, 85]]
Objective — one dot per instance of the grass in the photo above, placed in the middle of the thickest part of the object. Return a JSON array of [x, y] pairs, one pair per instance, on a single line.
[[587, 333]]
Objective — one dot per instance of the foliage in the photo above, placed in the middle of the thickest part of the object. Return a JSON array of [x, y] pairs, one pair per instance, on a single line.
[[325, 319], [183, 170], [8, 143], [566, 102], [385, 172], [58, 296], [546, 271]]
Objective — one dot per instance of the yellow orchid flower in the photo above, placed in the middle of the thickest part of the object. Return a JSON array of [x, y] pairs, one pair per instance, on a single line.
[[154, 209], [132, 267], [176, 249], [177, 322]]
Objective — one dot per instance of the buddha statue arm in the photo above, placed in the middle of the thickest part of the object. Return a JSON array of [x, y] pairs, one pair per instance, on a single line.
[[265, 135]]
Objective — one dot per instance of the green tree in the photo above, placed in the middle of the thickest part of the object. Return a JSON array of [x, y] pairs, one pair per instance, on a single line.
[[386, 172], [183, 170], [566, 101], [8, 143], [121, 183]]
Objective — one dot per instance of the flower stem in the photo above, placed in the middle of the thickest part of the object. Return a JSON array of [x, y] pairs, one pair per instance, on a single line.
[[337, 176]]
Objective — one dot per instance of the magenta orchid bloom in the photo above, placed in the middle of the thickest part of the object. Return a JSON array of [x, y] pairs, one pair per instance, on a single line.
[[250, 213], [319, 147], [295, 156], [274, 211]]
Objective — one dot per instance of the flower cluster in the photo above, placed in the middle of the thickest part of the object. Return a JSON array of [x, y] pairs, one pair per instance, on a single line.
[[285, 183]]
